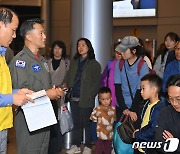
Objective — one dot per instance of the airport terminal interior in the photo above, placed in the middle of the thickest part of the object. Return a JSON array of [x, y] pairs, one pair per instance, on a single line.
[[57, 15]]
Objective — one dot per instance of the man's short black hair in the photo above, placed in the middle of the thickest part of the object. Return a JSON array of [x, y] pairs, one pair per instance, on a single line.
[[154, 80], [174, 80], [103, 90], [6, 15], [28, 25]]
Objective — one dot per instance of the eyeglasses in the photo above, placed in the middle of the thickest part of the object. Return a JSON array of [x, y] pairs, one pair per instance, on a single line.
[[173, 100], [177, 49]]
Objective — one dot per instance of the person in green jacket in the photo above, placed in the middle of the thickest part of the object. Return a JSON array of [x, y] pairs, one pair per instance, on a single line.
[[84, 79]]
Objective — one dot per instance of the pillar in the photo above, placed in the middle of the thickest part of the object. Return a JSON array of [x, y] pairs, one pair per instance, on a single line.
[[45, 16], [92, 19]]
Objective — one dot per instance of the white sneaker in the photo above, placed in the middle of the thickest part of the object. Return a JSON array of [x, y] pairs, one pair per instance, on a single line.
[[74, 149], [87, 150], [113, 152]]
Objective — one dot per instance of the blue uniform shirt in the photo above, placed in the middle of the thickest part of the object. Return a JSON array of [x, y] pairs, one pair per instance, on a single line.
[[6, 100]]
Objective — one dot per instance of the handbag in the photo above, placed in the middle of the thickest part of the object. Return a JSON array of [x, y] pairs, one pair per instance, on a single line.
[[126, 129], [65, 120], [119, 146]]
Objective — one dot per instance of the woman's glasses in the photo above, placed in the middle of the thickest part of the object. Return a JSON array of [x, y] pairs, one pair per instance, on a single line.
[[177, 48]]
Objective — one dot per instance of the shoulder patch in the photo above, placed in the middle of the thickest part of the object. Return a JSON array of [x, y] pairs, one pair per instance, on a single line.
[[36, 68], [20, 64]]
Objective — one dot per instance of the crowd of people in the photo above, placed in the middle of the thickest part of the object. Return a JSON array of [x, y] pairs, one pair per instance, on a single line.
[[130, 85]]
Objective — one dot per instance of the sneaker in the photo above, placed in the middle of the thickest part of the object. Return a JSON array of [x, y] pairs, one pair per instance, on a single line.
[[74, 149], [87, 150], [113, 152]]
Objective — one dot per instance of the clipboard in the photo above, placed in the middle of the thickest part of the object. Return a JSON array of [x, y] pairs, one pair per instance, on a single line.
[[39, 114]]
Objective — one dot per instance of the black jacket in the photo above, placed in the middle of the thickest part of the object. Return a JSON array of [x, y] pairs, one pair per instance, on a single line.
[[169, 120]]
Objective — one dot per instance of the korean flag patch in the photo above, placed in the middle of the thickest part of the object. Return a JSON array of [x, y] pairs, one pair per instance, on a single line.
[[20, 64], [36, 68]]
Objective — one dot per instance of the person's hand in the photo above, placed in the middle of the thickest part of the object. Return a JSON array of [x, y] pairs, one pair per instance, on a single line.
[[54, 93], [25, 91], [133, 115], [21, 99], [134, 133], [64, 87], [167, 134], [126, 112]]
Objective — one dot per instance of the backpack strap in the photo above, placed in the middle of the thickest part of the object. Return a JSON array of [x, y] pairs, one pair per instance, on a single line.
[[121, 64], [141, 62]]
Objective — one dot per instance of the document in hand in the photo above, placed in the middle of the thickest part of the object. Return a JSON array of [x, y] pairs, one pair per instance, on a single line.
[[39, 114]]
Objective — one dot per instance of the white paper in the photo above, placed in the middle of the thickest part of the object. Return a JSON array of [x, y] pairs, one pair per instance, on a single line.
[[39, 114]]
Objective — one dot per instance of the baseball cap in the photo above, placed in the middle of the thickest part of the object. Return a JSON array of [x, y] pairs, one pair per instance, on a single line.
[[127, 42]]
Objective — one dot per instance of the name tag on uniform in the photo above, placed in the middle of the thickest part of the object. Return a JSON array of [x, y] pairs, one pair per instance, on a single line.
[[20, 64], [36, 68]]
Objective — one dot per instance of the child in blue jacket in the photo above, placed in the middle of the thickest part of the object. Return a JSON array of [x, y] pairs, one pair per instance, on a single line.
[[150, 90]]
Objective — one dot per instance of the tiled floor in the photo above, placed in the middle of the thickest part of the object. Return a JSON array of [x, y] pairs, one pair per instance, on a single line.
[[12, 143]]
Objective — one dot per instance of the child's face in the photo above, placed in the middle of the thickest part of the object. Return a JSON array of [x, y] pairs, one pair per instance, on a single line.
[[105, 99], [146, 90]]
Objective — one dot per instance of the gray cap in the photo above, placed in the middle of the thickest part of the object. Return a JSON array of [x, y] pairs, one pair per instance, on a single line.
[[127, 42]]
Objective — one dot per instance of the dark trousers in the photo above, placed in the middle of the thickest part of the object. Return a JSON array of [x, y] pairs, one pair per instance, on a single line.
[[103, 146], [81, 120], [118, 113], [93, 132], [56, 139], [36, 142]]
